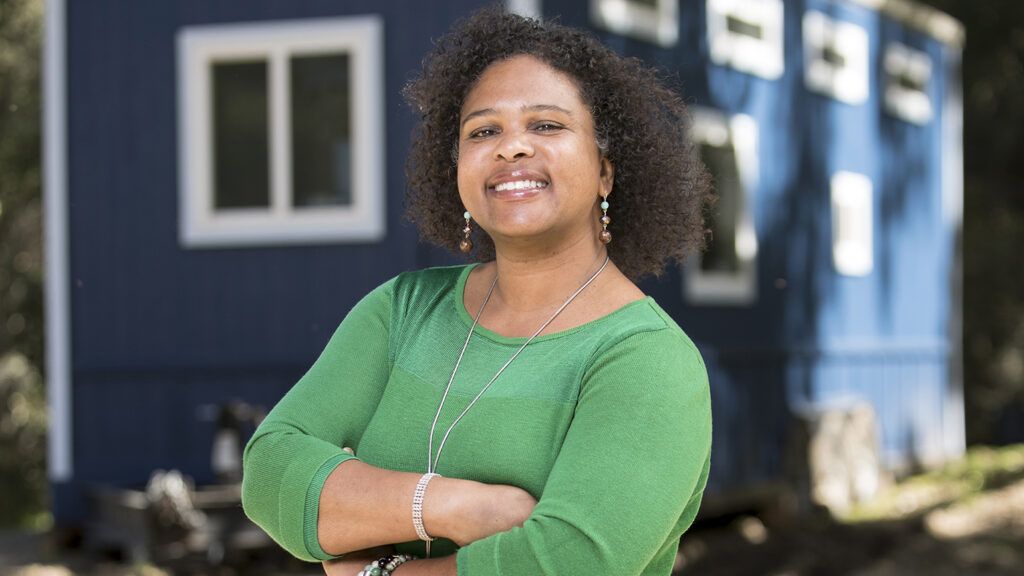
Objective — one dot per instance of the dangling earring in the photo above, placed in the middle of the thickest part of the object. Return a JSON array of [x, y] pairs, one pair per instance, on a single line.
[[606, 236], [466, 245]]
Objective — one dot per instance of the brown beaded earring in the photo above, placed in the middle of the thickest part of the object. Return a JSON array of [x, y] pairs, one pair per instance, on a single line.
[[466, 245], [606, 236]]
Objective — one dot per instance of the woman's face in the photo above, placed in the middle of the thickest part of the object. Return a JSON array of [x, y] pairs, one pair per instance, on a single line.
[[529, 168]]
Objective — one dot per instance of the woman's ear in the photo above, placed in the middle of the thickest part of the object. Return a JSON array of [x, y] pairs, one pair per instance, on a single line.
[[607, 176]]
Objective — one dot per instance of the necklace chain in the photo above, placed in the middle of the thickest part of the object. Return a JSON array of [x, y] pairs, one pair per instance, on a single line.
[[432, 459]]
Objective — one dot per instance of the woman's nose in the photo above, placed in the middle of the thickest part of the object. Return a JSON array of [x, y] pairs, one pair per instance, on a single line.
[[514, 146]]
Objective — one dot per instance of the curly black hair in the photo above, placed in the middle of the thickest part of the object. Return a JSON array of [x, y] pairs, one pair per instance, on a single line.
[[661, 187]]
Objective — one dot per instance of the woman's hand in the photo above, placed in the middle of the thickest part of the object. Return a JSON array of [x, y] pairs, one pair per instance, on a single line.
[[352, 563], [485, 509]]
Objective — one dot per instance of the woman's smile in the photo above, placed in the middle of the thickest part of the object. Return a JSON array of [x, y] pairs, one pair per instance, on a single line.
[[516, 185]]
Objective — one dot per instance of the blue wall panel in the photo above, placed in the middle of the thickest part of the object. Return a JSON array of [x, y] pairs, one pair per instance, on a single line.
[[139, 299], [159, 331], [151, 318]]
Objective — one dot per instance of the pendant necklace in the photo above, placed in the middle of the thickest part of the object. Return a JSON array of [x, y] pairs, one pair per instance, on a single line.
[[432, 459]]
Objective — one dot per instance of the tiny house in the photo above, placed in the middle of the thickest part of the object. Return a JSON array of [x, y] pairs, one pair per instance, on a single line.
[[224, 181]]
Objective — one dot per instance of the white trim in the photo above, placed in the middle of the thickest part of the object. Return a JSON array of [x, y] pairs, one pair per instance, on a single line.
[[846, 82], [938, 25], [659, 25], [528, 8], [361, 37], [55, 193], [952, 125], [759, 56], [852, 223], [723, 288], [279, 144], [911, 104]]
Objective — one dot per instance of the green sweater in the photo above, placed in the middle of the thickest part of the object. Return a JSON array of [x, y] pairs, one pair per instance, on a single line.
[[607, 424]]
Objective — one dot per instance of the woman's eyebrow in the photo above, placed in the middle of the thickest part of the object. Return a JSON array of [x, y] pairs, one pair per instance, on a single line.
[[529, 108]]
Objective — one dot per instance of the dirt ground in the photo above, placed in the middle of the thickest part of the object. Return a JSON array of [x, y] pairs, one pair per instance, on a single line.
[[964, 520], [982, 537]]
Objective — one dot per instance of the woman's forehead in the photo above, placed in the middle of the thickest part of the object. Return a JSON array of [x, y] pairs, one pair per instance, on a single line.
[[523, 82]]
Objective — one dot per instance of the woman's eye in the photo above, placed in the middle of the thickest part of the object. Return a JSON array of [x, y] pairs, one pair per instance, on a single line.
[[482, 133], [547, 127]]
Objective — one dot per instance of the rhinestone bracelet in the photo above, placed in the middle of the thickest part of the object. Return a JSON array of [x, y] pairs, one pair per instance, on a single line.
[[417, 506]]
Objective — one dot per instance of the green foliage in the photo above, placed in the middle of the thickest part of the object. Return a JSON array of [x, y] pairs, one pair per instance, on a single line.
[[22, 441], [22, 405]]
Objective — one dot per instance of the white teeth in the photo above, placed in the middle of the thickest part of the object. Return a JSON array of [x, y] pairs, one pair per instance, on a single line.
[[520, 185]]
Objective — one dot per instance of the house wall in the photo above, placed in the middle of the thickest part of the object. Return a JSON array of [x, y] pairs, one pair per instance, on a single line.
[[814, 337], [160, 332]]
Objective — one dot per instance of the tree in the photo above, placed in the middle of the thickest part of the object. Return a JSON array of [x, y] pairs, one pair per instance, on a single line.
[[22, 407], [994, 216]]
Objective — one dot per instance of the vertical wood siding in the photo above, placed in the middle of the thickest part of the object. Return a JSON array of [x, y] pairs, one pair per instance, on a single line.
[[159, 331]]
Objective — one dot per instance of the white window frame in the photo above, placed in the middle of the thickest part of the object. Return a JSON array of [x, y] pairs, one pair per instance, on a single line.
[[848, 83], [852, 213], [762, 57], [361, 38], [659, 25], [527, 8], [911, 105], [733, 288]]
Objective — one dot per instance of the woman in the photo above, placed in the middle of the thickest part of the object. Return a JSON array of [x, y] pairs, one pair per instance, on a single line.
[[533, 412]]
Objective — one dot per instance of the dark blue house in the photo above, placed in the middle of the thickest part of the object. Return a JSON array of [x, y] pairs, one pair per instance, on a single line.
[[224, 180]]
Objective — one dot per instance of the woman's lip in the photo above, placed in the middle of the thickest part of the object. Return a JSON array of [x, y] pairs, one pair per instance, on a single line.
[[514, 175], [515, 194]]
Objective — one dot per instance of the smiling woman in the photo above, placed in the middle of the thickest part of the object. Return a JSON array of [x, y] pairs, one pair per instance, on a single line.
[[533, 412]]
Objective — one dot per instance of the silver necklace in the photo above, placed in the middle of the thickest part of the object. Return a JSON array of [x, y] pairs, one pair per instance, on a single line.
[[433, 459]]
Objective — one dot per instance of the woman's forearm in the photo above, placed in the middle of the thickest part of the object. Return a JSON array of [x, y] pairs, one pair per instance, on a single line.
[[362, 506]]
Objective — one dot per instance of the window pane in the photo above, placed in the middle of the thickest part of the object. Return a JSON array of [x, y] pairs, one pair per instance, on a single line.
[[721, 255], [241, 165], [321, 135], [744, 28], [833, 56]]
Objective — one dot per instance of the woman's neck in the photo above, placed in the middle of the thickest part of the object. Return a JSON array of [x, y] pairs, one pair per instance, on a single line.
[[536, 281]]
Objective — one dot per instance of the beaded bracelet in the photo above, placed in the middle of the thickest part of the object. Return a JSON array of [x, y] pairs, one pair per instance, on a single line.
[[385, 565]]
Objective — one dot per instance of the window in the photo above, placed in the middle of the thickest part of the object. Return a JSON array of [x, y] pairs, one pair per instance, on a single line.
[[852, 246], [835, 58], [651, 20], [908, 74], [281, 132], [725, 272], [747, 35]]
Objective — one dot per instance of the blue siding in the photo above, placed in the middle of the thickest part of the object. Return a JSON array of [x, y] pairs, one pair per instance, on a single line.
[[159, 331], [823, 336]]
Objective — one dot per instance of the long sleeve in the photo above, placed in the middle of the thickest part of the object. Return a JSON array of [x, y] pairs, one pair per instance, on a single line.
[[300, 442], [630, 474]]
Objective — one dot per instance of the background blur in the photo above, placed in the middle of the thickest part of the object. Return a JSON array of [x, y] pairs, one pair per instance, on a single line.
[[955, 513]]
